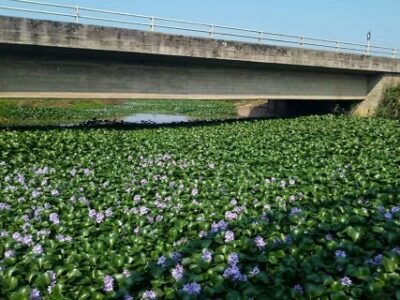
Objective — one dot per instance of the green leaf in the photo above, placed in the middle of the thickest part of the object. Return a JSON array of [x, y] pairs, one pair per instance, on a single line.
[[339, 296], [390, 264]]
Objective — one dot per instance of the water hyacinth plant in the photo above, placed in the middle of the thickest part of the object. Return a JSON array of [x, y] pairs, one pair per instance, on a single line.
[[279, 209]]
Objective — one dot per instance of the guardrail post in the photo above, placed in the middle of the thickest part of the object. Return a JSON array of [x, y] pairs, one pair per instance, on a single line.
[[337, 46], [302, 41], [368, 47], [260, 38], [76, 14], [211, 30], [152, 22]]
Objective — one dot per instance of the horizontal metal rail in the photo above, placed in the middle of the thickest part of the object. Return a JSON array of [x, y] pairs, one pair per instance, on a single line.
[[101, 17]]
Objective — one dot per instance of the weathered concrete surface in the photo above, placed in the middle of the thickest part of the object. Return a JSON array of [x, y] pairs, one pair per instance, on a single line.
[[377, 86], [37, 75], [70, 35]]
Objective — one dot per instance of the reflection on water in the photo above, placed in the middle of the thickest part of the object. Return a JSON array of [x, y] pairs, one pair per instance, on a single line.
[[155, 118]]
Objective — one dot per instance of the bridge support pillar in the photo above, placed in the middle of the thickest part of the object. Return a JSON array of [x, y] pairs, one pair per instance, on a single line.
[[377, 86]]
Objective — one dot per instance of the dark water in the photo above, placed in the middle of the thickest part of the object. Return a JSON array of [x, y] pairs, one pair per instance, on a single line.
[[155, 118]]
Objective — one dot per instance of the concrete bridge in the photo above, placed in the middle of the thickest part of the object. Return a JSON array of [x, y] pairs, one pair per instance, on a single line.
[[55, 59]]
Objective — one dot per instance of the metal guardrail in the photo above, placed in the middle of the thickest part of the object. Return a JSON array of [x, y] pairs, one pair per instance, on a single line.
[[103, 17]]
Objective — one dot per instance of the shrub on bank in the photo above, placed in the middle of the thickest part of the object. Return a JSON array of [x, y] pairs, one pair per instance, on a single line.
[[390, 105]]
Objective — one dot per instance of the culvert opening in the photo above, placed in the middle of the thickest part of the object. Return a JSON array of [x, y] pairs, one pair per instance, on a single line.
[[296, 108], [312, 107]]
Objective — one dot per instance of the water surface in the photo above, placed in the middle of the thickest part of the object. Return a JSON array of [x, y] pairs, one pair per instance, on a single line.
[[155, 118]]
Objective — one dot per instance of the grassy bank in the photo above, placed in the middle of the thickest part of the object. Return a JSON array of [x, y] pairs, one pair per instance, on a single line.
[[390, 105]]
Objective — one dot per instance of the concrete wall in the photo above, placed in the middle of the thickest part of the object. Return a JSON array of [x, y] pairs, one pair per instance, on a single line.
[[71, 35], [377, 86], [62, 76]]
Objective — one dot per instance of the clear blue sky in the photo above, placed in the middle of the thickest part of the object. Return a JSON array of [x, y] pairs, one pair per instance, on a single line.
[[347, 20]]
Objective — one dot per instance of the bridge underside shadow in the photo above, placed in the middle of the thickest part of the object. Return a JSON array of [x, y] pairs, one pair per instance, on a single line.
[[295, 108]]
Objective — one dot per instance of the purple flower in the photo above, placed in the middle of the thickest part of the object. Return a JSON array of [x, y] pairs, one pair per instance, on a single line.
[[218, 226], [54, 218], [9, 253], [234, 274], [233, 259], [99, 218], [161, 261], [375, 261], [295, 211], [206, 256], [388, 216], [17, 236], [395, 209], [195, 192], [143, 210], [177, 272], [264, 217], [396, 250], [340, 254], [137, 198], [192, 288], [136, 230], [229, 236], [108, 212], [329, 237], [108, 283], [36, 194], [52, 276], [126, 273], [202, 234], [4, 206], [55, 193], [229, 215], [254, 272], [35, 295], [298, 289], [127, 297], [149, 295], [176, 256], [38, 249], [346, 281], [260, 243], [27, 239], [92, 213]]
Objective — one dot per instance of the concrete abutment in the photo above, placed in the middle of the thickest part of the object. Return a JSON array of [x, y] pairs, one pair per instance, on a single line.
[[377, 86]]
